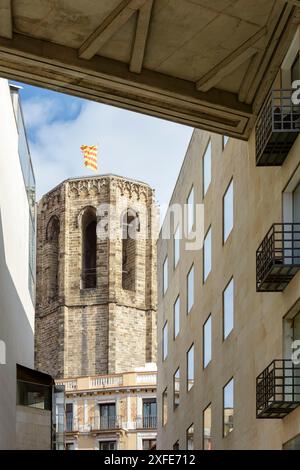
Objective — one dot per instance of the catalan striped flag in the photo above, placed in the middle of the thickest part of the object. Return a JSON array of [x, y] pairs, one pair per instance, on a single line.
[[90, 156]]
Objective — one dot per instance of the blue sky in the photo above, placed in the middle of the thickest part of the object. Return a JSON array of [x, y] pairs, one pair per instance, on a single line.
[[130, 144]]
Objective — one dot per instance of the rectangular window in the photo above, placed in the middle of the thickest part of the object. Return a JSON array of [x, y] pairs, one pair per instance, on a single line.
[[108, 416], [149, 444], [176, 314], [207, 168], [176, 246], [292, 444], [107, 445], [190, 210], [165, 407], [176, 445], [228, 309], [228, 212], [149, 413], [190, 368], [228, 407], [207, 255], [165, 275], [165, 341], [190, 289], [225, 140], [190, 438], [207, 342], [69, 417], [32, 255], [30, 186], [176, 388], [207, 443], [295, 69], [70, 446]]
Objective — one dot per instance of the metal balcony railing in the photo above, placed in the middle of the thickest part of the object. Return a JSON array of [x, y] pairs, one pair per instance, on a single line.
[[278, 257], [146, 422], [71, 424], [101, 423], [89, 278], [278, 389], [277, 128]]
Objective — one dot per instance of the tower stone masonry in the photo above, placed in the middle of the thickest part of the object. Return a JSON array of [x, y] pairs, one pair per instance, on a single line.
[[96, 277]]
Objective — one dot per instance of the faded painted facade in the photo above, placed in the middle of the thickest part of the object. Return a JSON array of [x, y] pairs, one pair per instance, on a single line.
[[111, 412]]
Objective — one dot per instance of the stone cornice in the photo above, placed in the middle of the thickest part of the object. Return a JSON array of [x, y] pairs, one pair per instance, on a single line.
[[94, 186]]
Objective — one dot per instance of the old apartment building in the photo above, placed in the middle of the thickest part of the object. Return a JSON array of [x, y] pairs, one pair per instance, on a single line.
[[229, 311], [96, 303], [111, 412]]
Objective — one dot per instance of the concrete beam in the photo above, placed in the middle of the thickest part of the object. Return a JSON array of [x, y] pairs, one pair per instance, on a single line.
[[230, 63], [277, 44], [6, 30], [141, 35], [248, 82], [108, 81], [114, 21]]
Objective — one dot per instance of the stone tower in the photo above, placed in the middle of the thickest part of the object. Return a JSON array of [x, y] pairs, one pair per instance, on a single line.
[[96, 277]]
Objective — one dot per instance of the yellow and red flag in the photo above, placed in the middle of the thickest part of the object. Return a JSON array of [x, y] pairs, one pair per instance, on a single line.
[[90, 156]]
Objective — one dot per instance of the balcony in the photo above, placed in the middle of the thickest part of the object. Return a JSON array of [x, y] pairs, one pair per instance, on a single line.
[[146, 422], [106, 423], [69, 385], [278, 258], [146, 379], [71, 424], [278, 390], [277, 128], [106, 381]]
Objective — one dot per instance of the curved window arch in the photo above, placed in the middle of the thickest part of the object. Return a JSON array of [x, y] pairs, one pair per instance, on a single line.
[[89, 248], [52, 238], [53, 229], [130, 226]]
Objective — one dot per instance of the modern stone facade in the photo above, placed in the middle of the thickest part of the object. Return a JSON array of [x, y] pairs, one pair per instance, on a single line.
[[87, 320], [240, 387], [17, 258]]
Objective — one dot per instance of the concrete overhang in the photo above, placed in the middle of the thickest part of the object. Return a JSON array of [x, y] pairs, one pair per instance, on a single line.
[[205, 63]]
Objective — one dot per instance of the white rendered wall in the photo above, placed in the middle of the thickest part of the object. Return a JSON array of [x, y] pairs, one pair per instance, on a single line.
[[16, 308]]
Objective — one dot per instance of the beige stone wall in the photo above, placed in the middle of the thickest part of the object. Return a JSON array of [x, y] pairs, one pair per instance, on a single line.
[[257, 337], [33, 429], [86, 340], [132, 330], [106, 329]]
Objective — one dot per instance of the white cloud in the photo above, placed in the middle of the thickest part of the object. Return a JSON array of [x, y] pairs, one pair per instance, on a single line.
[[130, 144], [40, 111]]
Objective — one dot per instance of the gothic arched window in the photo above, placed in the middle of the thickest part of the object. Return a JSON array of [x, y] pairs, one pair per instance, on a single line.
[[130, 227], [52, 238], [89, 248]]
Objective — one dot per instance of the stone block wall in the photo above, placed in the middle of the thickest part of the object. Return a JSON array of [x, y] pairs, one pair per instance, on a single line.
[[105, 329]]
